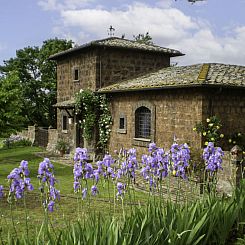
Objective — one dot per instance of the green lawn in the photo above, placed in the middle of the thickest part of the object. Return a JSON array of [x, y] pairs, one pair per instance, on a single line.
[[70, 208], [67, 209]]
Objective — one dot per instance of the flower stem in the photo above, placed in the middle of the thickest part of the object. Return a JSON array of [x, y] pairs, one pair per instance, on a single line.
[[108, 188], [12, 218], [26, 216]]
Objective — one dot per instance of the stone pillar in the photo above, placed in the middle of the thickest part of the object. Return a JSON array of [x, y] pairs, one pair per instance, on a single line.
[[238, 161]]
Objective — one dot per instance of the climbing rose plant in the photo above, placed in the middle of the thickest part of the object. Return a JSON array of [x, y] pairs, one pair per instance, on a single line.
[[94, 108]]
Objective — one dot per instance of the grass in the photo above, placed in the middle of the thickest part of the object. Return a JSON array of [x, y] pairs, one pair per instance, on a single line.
[[1, 142], [66, 214], [66, 210]]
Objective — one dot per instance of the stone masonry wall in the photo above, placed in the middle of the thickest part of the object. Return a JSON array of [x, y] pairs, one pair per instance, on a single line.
[[86, 64], [67, 87], [229, 106], [69, 134], [115, 65], [98, 68], [52, 139], [176, 113]]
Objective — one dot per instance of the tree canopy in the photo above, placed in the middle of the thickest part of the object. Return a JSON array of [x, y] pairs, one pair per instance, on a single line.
[[11, 105], [143, 38], [36, 76]]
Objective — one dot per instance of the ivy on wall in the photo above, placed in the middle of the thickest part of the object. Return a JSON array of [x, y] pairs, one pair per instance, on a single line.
[[94, 111]]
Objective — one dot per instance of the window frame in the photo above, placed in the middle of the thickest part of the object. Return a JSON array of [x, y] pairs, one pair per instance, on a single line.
[[143, 123], [76, 71], [64, 126], [124, 129], [144, 142]]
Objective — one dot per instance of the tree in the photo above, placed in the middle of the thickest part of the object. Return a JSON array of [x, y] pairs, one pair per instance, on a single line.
[[37, 80], [11, 105], [144, 38]]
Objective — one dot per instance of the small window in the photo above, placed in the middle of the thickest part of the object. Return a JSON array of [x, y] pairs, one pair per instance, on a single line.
[[143, 122], [64, 123], [76, 74], [122, 123]]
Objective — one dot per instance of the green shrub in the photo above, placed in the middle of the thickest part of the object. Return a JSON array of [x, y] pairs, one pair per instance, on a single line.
[[210, 130], [16, 141], [237, 138]]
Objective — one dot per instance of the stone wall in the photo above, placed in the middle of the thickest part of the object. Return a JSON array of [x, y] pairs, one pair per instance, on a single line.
[[31, 133], [176, 113], [102, 67], [229, 106], [45, 137], [85, 62], [52, 139], [115, 65], [69, 134], [98, 68]]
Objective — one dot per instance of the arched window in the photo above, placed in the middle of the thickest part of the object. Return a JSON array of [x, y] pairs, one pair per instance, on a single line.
[[142, 122]]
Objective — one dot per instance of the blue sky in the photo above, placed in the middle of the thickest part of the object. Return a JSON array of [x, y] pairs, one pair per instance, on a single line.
[[210, 31]]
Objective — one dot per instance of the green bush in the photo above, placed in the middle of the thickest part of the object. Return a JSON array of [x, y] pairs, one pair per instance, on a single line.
[[210, 130], [237, 138], [16, 141]]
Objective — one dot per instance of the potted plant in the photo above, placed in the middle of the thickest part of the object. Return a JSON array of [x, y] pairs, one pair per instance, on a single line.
[[62, 146]]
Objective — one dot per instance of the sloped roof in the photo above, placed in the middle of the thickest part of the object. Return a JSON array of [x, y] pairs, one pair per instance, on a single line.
[[212, 74], [65, 104], [115, 42]]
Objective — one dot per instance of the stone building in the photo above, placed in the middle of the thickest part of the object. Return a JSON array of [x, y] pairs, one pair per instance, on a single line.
[[149, 99]]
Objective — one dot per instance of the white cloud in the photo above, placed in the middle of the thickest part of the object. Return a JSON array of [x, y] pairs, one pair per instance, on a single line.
[[204, 46], [168, 26], [62, 4], [162, 23]]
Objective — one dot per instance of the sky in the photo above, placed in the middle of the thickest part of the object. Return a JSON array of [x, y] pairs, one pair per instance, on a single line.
[[207, 31]]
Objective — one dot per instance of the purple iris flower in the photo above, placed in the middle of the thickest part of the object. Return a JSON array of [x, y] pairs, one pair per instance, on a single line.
[[108, 160], [54, 193], [47, 181], [14, 174], [128, 164], [27, 182], [96, 174], [119, 173], [51, 206], [179, 156], [152, 147], [88, 171], [120, 189], [84, 193], [94, 190], [81, 154], [110, 172], [19, 180], [82, 169], [24, 168], [1, 191], [76, 186], [213, 157]]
